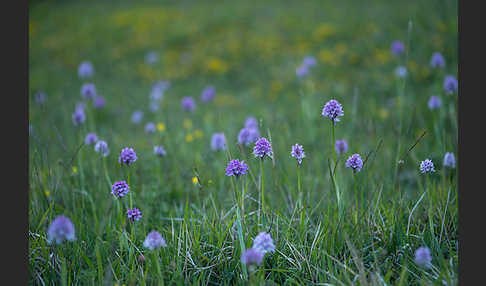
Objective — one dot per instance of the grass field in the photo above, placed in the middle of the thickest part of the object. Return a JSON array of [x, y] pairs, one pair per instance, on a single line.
[[330, 226]]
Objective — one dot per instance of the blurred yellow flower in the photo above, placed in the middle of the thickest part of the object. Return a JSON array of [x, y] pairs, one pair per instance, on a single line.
[[198, 133], [277, 86], [47, 192], [216, 65], [383, 113], [75, 170], [328, 57], [187, 123], [189, 137], [194, 180], [323, 31], [382, 56], [225, 100], [146, 72], [160, 126]]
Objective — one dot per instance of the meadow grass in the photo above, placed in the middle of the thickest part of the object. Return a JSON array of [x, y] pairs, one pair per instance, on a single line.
[[330, 227]]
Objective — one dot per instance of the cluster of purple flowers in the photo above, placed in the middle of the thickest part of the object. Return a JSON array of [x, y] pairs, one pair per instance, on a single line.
[[159, 151], [298, 153], [450, 84], [40, 97], [127, 156], [246, 136], [252, 256], [333, 109], [154, 240], [449, 160], [120, 189], [304, 68], [162, 85], [91, 139], [341, 146], [85, 70], [99, 102], [208, 93], [150, 127], [188, 104], [102, 147], [437, 60], [427, 167], [154, 105], [236, 168], [134, 214], [251, 122], [262, 148], [262, 244], [88, 90], [137, 116], [157, 94], [249, 133], [218, 142], [355, 162], [78, 116], [397, 48], [60, 229], [423, 257], [434, 102]]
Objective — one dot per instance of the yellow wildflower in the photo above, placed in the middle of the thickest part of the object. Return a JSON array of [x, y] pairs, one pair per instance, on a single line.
[[216, 65], [277, 86], [47, 192], [323, 31], [328, 56], [198, 133], [382, 56], [383, 113], [160, 126], [194, 180], [189, 137], [75, 170]]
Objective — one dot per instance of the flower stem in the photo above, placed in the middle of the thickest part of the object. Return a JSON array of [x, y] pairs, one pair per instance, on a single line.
[[298, 180], [240, 229], [262, 186], [157, 266], [108, 180], [355, 196], [131, 192]]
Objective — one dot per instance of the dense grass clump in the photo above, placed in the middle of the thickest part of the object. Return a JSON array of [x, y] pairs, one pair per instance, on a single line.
[[171, 134]]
